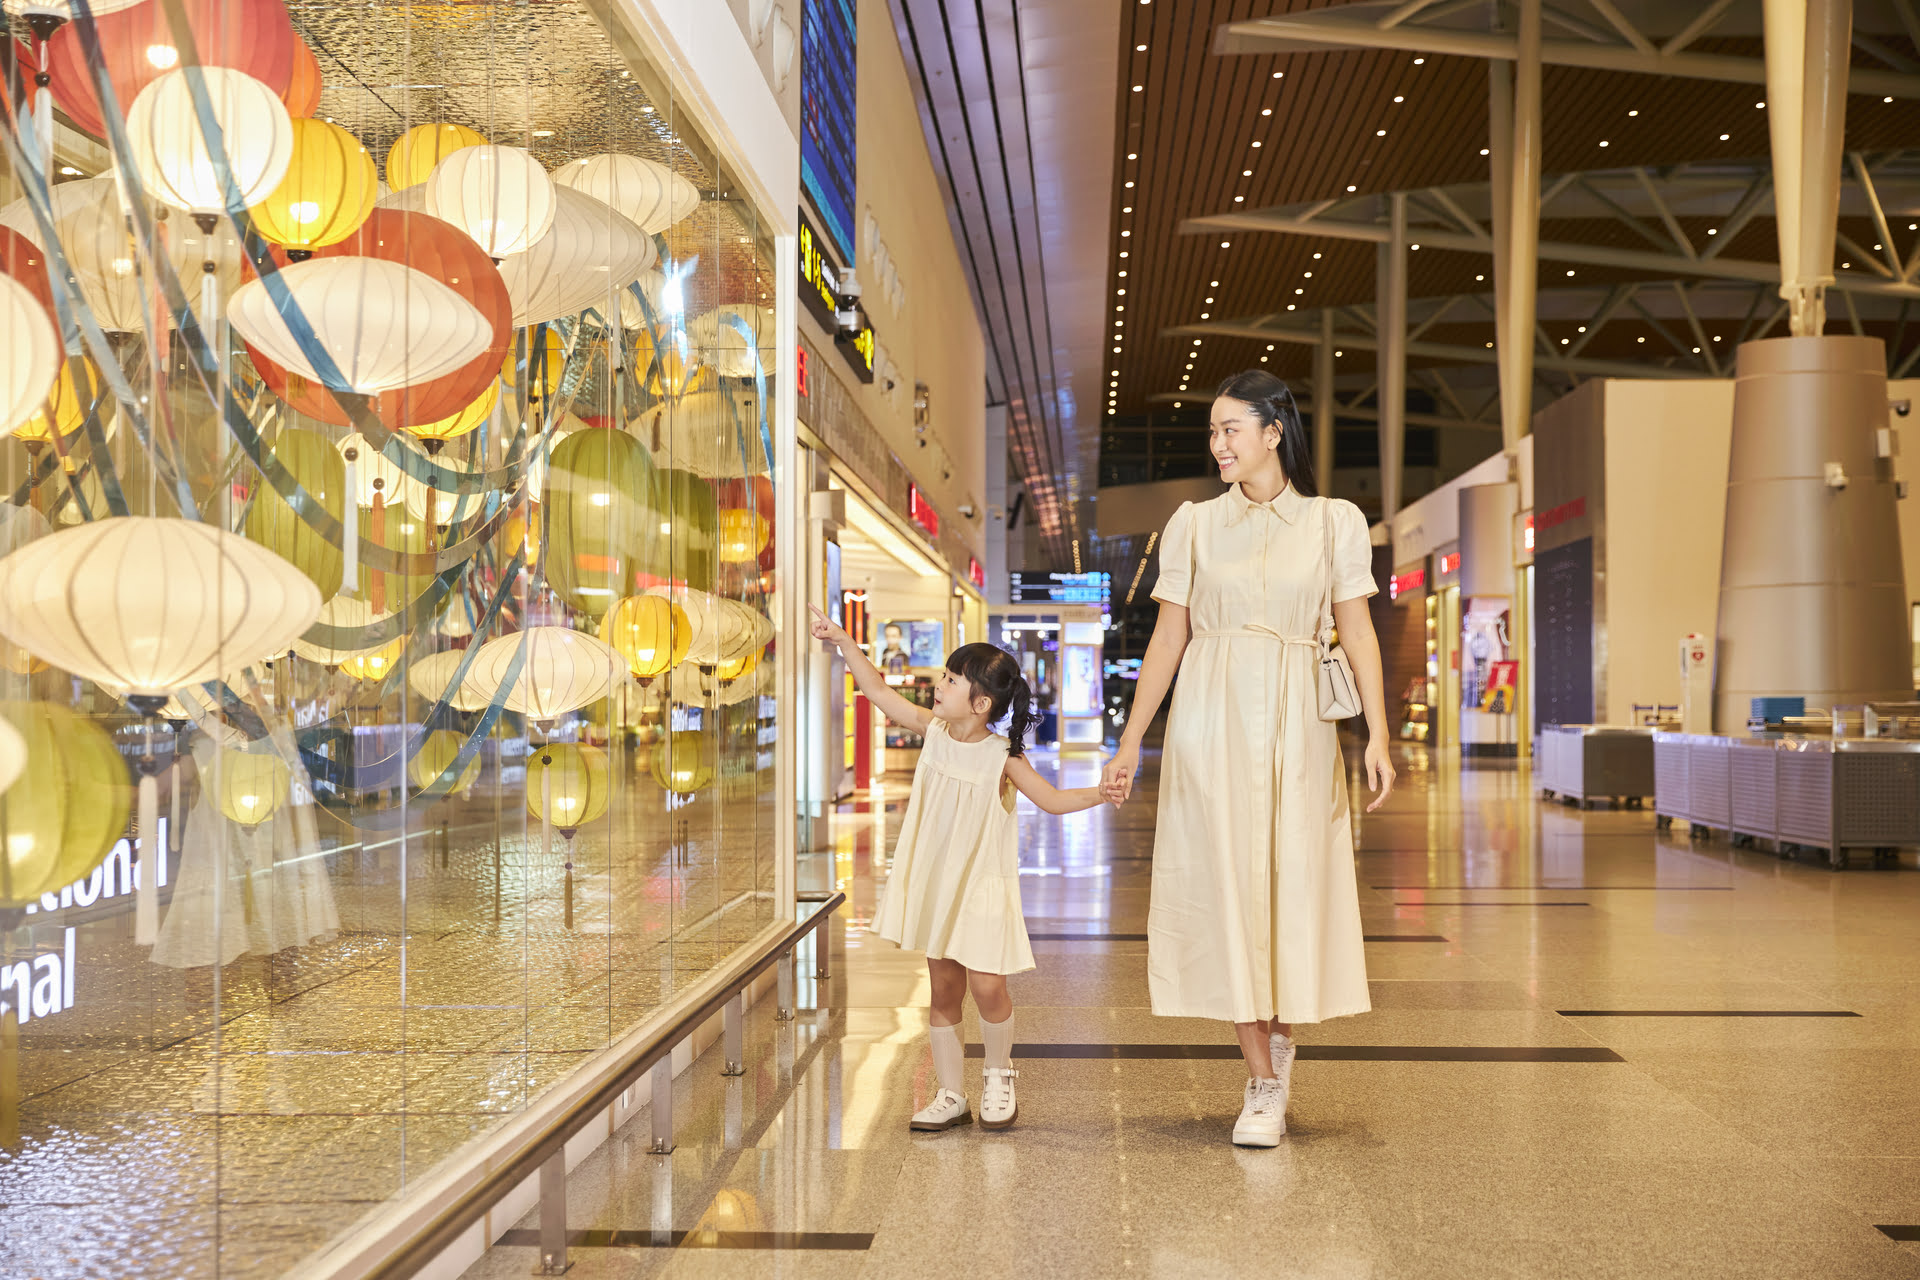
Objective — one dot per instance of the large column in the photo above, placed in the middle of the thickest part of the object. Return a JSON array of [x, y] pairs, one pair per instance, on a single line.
[[996, 526], [1520, 279], [1390, 309], [1808, 42], [1323, 405]]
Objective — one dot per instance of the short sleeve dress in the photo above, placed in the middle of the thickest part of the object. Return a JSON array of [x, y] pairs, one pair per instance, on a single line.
[[953, 890], [1255, 910]]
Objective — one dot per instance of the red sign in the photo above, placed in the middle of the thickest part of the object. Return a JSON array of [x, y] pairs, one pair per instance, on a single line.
[[1449, 564], [1561, 514], [922, 511], [975, 574], [1401, 583], [1528, 535], [800, 370]]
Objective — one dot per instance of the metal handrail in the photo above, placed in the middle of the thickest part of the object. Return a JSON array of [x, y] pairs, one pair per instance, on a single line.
[[539, 1152]]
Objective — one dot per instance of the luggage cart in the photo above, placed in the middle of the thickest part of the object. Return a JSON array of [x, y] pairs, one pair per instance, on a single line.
[[1671, 800], [1752, 786], [1840, 797], [1585, 763]]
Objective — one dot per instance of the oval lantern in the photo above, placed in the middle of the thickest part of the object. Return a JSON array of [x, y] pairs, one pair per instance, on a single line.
[[589, 251], [328, 190], [384, 324], [651, 632], [343, 611], [714, 434], [304, 83], [690, 529], [170, 151], [500, 196], [563, 670], [680, 762], [251, 784], [435, 755], [67, 808], [101, 252], [432, 677], [411, 159], [743, 535], [433, 436], [603, 525], [719, 343], [577, 780], [733, 668], [30, 356], [141, 605], [318, 468], [647, 192], [373, 665]]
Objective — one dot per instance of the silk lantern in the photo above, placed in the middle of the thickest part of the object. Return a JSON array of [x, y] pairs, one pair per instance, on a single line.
[[603, 520], [349, 613], [435, 755], [568, 782], [713, 434], [101, 252], [411, 159], [743, 535], [432, 678], [328, 190], [647, 192], [317, 467], [500, 196], [433, 436], [250, 785], [716, 336], [680, 762], [304, 83], [563, 670], [589, 252], [66, 407], [733, 668], [30, 356], [651, 632], [171, 152], [66, 810]]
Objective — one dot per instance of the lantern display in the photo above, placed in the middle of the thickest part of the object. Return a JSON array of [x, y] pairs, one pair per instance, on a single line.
[[603, 519], [689, 527], [733, 668], [547, 357], [500, 196], [302, 94], [249, 785], [170, 150], [743, 535], [435, 755], [385, 325], [414, 154], [30, 358], [311, 459], [680, 762], [66, 809], [432, 677], [434, 435], [372, 666], [574, 778], [648, 193], [406, 532], [101, 252], [67, 403], [25, 262], [714, 434], [589, 252], [560, 671], [344, 612], [651, 632], [328, 190], [716, 336], [141, 605]]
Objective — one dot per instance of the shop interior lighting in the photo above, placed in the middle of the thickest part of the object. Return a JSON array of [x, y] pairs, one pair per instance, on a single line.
[[876, 530]]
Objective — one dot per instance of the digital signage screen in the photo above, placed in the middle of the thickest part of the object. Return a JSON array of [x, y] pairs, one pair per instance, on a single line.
[[827, 89]]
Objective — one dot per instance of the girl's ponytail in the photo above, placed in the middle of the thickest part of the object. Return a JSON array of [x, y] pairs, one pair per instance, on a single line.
[[1022, 718], [994, 674]]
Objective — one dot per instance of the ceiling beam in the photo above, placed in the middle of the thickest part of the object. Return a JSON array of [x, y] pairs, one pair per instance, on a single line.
[[1425, 350], [1366, 414]]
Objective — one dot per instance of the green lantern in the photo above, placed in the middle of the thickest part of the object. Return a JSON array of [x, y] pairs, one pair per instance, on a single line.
[[313, 461], [603, 517], [64, 813], [690, 526], [681, 762]]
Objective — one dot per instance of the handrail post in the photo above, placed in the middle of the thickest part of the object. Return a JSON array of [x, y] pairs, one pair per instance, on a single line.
[[553, 1215], [822, 942], [783, 1006], [736, 1038], [662, 1106]]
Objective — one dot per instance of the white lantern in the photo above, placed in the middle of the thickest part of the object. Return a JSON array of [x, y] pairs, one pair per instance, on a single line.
[[30, 354], [717, 341], [635, 316], [101, 251], [163, 132], [652, 195], [498, 195], [141, 605], [19, 526], [701, 434], [64, 197], [340, 611], [563, 671], [385, 324], [432, 678], [588, 253]]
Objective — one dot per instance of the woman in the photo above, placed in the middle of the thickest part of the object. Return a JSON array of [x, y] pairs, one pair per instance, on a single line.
[[1256, 917]]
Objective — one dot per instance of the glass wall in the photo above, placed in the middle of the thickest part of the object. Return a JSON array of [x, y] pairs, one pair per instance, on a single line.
[[388, 602]]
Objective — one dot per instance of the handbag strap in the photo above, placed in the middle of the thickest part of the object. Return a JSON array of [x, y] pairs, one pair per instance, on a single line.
[[1326, 611]]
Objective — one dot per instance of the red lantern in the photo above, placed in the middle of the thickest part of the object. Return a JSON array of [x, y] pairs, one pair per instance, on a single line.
[[137, 45], [26, 262], [303, 86], [449, 256]]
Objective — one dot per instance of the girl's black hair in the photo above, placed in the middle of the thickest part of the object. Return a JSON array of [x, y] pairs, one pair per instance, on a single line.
[[1273, 405], [994, 674]]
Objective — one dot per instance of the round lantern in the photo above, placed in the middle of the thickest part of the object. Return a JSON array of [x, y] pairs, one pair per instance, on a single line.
[[250, 785], [680, 762], [433, 436], [384, 324], [549, 363], [30, 357], [401, 529], [589, 252], [603, 523], [717, 338], [313, 462], [413, 156], [690, 525], [436, 755], [653, 196], [734, 668], [373, 665], [563, 670], [250, 36], [101, 251], [500, 196], [169, 150], [714, 434], [304, 84], [66, 810], [67, 404], [522, 532], [574, 777], [651, 632], [141, 605], [743, 535], [432, 678], [328, 191], [342, 611]]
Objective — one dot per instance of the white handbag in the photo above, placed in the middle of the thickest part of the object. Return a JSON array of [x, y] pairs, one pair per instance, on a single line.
[[1339, 694]]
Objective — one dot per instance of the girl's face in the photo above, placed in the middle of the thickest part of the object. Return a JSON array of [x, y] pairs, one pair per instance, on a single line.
[[1239, 444], [952, 697]]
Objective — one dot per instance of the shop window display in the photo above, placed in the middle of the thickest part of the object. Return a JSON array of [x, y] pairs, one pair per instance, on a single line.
[[390, 409]]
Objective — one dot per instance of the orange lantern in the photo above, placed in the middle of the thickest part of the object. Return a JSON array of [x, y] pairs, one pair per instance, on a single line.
[[302, 95]]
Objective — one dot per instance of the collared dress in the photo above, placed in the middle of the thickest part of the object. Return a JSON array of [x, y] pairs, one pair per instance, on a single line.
[[1255, 910]]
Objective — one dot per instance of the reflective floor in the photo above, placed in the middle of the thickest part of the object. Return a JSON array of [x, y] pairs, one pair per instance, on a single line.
[[1595, 1050]]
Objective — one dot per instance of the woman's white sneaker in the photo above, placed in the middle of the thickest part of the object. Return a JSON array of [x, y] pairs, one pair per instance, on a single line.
[[1281, 1049], [1264, 1117], [997, 1105], [945, 1111]]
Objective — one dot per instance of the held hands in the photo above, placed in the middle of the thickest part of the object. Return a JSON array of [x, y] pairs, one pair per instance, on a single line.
[[1378, 771], [824, 627], [1116, 780]]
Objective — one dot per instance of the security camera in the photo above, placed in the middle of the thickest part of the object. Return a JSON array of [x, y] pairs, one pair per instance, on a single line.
[[849, 287], [1836, 477], [966, 509], [1902, 407]]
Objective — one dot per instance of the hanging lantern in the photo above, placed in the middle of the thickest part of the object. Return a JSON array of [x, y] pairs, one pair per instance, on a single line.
[[576, 779], [436, 755], [432, 678], [328, 191], [371, 666], [66, 405], [713, 434], [734, 668], [141, 605], [563, 670], [549, 363], [433, 436], [384, 324], [170, 151], [500, 196], [302, 95], [680, 763], [101, 252], [690, 527], [66, 810], [652, 633], [648, 193], [719, 343], [347, 613], [522, 532], [743, 535], [251, 784], [316, 465], [406, 532], [603, 524], [413, 156], [589, 251], [30, 358]]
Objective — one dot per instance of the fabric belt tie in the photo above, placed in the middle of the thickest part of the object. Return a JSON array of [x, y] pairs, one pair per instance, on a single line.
[[1265, 633]]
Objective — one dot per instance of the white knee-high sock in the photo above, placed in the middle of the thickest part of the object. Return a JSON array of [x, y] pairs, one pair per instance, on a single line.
[[949, 1057], [999, 1041]]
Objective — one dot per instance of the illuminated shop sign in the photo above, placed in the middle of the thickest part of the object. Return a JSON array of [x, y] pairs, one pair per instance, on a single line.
[[975, 574], [1401, 584], [820, 290], [922, 511], [1560, 515], [38, 986], [1449, 564], [1527, 535]]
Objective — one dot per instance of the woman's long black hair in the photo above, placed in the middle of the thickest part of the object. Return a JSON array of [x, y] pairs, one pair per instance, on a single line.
[[1273, 405], [994, 674]]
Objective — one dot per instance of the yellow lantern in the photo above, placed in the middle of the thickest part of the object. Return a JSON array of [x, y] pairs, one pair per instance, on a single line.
[[328, 192], [436, 755], [743, 535], [66, 406], [680, 763], [66, 810], [734, 668], [575, 777], [651, 632], [433, 436], [549, 362], [374, 664], [251, 785], [420, 148], [522, 531]]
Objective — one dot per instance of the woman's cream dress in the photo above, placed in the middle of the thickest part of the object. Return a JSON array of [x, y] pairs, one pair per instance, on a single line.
[[1255, 910], [953, 890]]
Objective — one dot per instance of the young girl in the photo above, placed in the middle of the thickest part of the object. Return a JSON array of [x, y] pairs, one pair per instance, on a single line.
[[954, 888]]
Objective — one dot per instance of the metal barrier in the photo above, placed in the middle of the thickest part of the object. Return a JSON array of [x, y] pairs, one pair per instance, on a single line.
[[545, 1151]]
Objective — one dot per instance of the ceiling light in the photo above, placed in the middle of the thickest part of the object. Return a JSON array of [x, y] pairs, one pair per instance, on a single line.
[[1306, 275], [1316, 257], [1299, 291], [1263, 359], [1418, 61], [69, 171], [1137, 88], [1351, 187], [1125, 233], [1123, 253], [1642, 339], [1209, 299], [1379, 133], [1213, 284], [1489, 345], [1289, 306], [1483, 151], [1139, 48], [1256, 144], [1133, 155], [1226, 244], [1339, 353], [1129, 186], [1121, 293], [1633, 113], [1246, 173], [1603, 142], [1479, 277], [1119, 309], [1116, 351], [1714, 231], [1413, 246], [1760, 106], [1278, 74], [1725, 136], [1238, 199], [1887, 99], [1127, 209], [1565, 341], [1876, 246], [1267, 111], [1123, 275], [1716, 337]]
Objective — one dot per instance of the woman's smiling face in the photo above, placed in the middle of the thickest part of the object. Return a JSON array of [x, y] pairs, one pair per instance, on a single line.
[[1236, 440]]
